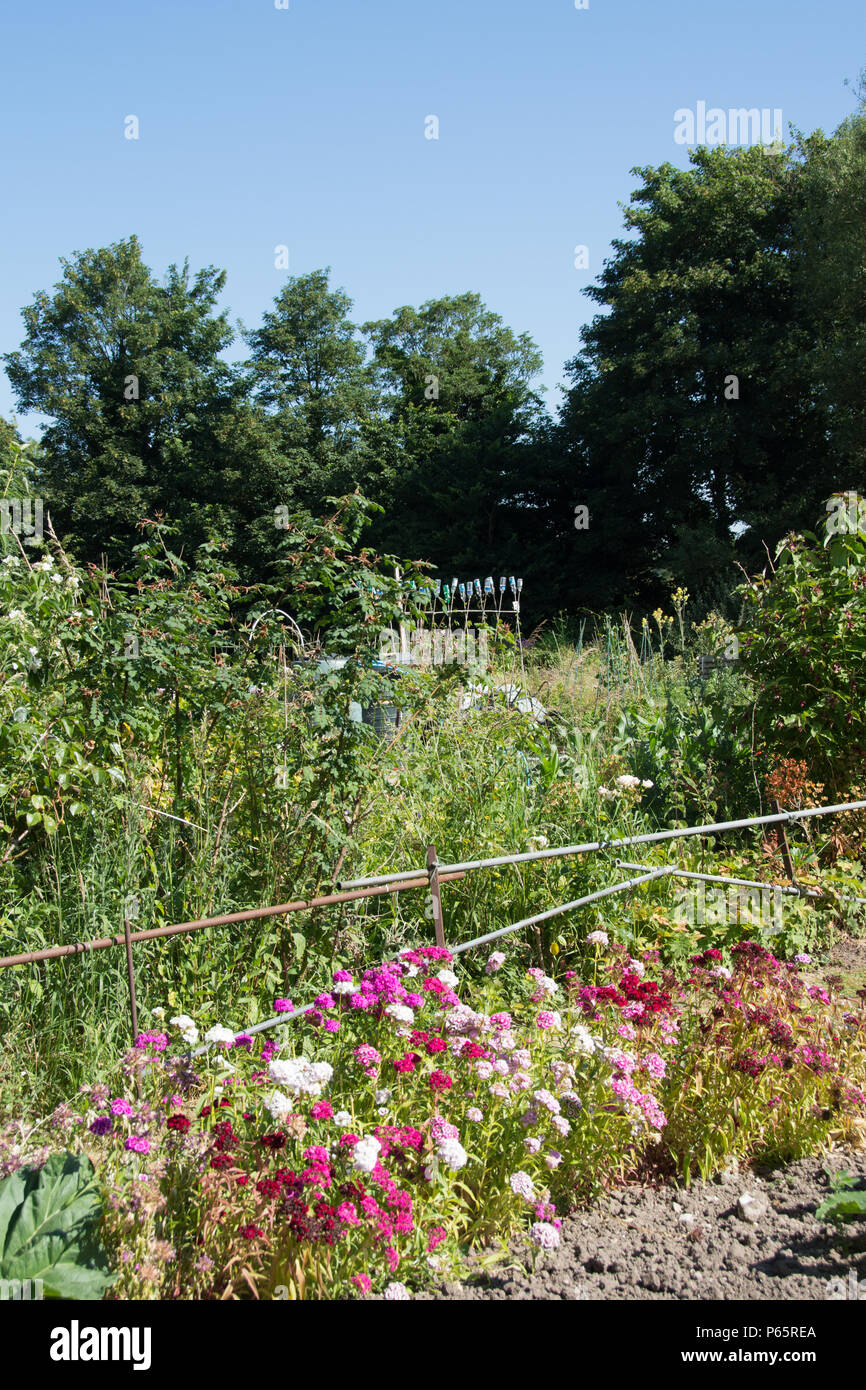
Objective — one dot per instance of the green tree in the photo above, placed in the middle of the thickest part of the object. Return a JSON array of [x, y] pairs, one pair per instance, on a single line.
[[693, 413], [830, 271], [307, 370], [146, 416], [458, 412]]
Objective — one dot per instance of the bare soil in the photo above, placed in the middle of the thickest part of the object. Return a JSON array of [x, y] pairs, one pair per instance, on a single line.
[[694, 1244]]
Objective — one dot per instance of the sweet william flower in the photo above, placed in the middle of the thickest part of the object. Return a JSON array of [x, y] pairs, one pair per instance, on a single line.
[[544, 1235], [218, 1034], [365, 1154], [495, 962], [396, 1292], [452, 1153], [521, 1185]]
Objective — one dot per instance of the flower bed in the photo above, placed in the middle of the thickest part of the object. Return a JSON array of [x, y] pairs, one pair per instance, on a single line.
[[395, 1124]]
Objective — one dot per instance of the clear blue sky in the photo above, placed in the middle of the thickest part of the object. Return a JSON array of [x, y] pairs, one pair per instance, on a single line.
[[306, 127]]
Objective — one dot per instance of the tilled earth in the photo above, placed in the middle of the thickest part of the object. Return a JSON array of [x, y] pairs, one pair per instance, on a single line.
[[696, 1243]]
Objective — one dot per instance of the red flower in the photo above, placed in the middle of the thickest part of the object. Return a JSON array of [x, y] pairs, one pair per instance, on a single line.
[[250, 1232], [440, 1081], [178, 1122], [407, 1063], [435, 1045]]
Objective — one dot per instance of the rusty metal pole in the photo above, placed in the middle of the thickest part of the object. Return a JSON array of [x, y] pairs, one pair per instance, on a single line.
[[133, 1008], [435, 894], [130, 970]]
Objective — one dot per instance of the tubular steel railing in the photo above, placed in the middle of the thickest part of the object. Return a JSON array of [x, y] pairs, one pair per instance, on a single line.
[[430, 879]]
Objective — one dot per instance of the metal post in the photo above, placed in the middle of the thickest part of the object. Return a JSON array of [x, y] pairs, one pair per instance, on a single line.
[[785, 847], [130, 969], [435, 894]]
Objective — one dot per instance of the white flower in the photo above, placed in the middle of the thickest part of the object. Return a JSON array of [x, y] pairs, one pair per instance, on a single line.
[[188, 1030], [411, 971], [159, 1013], [397, 1292], [598, 938], [637, 967], [583, 1039], [300, 1076], [452, 1153], [605, 794], [538, 842], [401, 1013], [382, 1097], [17, 615], [365, 1155], [344, 987], [277, 1105], [548, 986], [496, 962], [218, 1034], [448, 978], [646, 784], [627, 781], [343, 1118]]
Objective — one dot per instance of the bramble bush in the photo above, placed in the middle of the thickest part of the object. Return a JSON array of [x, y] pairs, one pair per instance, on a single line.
[[804, 644]]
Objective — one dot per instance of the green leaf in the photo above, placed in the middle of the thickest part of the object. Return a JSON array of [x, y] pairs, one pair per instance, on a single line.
[[49, 1220]]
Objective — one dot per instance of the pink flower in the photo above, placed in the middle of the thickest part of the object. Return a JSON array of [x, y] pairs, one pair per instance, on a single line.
[[553, 1158], [532, 1144], [435, 1236], [495, 962], [362, 1282], [322, 1110], [137, 1145], [346, 1212], [283, 1006], [440, 1129], [655, 1065], [547, 1019], [502, 1021], [474, 1114], [545, 1236], [332, 1025], [522, 1186], [121, 1107]]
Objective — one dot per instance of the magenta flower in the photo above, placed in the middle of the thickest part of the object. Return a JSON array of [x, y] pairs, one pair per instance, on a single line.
[[283, 1006], [137, 1145]]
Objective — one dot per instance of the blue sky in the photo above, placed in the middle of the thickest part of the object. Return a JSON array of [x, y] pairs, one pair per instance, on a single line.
[[306, 127]]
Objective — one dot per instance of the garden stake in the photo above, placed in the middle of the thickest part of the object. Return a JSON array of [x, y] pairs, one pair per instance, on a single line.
[[435, 894]]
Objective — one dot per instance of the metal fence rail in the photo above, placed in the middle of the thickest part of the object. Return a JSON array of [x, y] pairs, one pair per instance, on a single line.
[[501, 860], [430, 879]]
